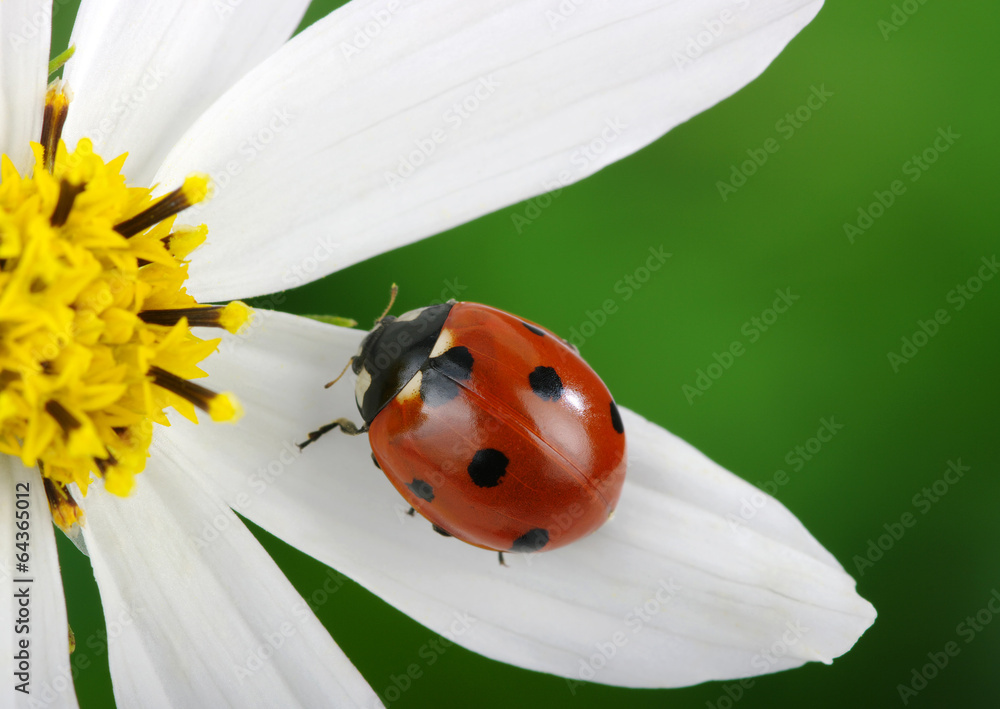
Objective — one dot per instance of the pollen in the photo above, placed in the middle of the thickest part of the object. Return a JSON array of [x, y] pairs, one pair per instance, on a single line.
[[96, 326]]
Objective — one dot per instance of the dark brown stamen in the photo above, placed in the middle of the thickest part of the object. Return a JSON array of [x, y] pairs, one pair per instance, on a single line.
[[197, 395], [52, 127], [64, 418], [104, 463], [51, 490], [67, 195], [176, 201], [58, 495], [205, 316]]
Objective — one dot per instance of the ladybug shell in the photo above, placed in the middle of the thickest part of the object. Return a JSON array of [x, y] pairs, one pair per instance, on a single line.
[[504, 438]]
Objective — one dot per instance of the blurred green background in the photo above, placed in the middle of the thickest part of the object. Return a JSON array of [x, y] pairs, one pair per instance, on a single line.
[[891, 87]]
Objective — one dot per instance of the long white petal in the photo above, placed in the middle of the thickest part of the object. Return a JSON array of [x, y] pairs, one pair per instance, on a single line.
[[25, 29], [682, 586], [198, 614], [32, 605], [376, 127], [144, 71]]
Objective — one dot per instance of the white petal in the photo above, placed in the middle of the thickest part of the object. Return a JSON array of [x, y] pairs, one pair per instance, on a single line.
[[200, 614], [46, 630], [144, 71], [25, 28], [487, 101], [727, 586]]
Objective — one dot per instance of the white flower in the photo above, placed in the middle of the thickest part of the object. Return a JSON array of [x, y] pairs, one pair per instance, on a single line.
[[388, 121]]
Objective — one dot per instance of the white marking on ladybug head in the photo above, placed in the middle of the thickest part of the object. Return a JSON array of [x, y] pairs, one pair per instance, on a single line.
[[361, 387], [411, 315]]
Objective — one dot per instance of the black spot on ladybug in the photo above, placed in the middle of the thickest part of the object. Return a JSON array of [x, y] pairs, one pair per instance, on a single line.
[[375, 460], [439, 530], [546, 383], [533, 540], [487, 467], [436, 389], [536, 330], [439, 376], [421, 489], [616, 419], [455, 363]]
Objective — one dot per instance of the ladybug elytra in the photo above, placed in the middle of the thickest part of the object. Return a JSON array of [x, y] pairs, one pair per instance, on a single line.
[[491, 427]]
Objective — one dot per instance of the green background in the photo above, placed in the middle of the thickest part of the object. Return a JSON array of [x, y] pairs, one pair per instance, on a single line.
[[826, 357]]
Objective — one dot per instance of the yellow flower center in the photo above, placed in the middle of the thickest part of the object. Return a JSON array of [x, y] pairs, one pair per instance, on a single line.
[[95, 323]]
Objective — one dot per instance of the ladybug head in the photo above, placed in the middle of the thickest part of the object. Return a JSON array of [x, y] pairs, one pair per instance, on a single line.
[[392, 353]]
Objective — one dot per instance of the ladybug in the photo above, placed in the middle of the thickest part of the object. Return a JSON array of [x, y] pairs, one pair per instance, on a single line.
[[491, 427]]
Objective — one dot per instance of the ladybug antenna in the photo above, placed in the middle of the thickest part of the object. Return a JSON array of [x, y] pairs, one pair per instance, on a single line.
[[392, 299], [330, 384]]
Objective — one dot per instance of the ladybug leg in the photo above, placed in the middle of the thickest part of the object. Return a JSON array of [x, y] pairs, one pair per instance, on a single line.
[[412, 511], [500, 556], [351, 429]]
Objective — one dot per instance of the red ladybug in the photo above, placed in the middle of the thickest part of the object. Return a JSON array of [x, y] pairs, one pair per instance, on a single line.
[[490, 426]]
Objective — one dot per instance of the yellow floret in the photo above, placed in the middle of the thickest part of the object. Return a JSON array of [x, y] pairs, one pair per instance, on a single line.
[[235, 316], [225, 407], [82, 257]]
